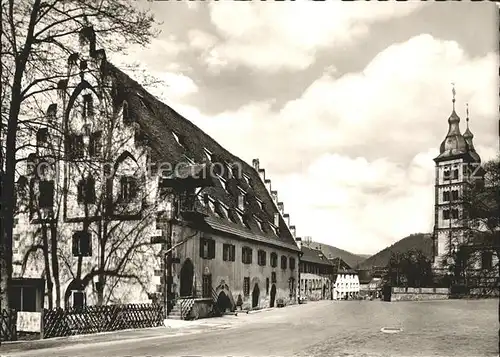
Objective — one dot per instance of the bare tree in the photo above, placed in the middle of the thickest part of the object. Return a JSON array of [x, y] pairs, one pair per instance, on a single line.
[[37, 38]]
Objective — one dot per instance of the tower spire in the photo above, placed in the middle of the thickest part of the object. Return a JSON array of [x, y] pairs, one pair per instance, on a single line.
[[453, 92], [467, 113]]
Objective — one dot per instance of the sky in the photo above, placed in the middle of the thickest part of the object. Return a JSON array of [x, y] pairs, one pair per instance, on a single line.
[[344, 104]]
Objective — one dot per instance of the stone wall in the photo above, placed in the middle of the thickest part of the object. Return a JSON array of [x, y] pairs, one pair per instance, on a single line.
[[417, 294]]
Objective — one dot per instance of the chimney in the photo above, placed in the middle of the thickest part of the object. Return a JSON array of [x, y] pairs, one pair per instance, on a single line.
[[280, 207], [276, 219], [255, 164], [286, 217], [274, 195], [292, 229], [298, 240], [262, 174], [268, 185]]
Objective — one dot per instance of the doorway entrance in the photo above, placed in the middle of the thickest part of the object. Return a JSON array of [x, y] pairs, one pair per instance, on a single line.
[[324, 292], [273, 296], [223, 302], [255, 295], [186, 283]]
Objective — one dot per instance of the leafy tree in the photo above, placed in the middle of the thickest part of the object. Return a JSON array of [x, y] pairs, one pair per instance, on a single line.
[[38, 39], [481, 241], [412, 268]]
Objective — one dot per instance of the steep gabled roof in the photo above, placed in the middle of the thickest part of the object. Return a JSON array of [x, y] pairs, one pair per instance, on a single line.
[[173, 139], [313, 256], [351, 259]]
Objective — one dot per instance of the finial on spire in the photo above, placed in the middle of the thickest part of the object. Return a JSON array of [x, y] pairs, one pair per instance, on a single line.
[[467, 112], [454, 93]]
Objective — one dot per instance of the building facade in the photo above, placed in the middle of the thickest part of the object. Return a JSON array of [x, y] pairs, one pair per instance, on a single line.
[[142, 206], [316, 273]]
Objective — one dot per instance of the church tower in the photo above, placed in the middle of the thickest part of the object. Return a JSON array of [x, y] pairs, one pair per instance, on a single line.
[[456, 164]]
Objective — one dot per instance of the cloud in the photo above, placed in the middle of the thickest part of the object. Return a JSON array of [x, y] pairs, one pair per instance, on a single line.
[[273, 36], [351, 157]]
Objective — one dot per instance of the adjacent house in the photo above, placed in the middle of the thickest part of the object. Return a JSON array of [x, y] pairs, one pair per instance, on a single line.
[[123, 200], [316, 272]]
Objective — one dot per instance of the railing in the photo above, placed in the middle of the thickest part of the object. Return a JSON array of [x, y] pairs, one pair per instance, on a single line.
[[8, 321], [94, 319]]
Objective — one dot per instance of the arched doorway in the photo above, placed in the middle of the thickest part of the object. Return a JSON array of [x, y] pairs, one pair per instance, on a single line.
[[187, 271], [255, 295], [223, 302], [273, 295]]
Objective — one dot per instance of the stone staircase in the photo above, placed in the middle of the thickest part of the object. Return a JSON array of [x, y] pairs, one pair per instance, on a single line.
[[181, 309]]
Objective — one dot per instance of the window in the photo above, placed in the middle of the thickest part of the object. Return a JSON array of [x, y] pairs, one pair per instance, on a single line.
[[276, 219], [274, 260], [455, 174], [454, 213], [246, 255], [86, 190], [207, 248], [446, 196], [447, 174], [267, 286], [88, 106], [454, 195], [273, 277], [128, 188], [82, 244], [78, 299], [75, 146], [283, 262], [292, 263], [23, 298], [42, 136], [246, 286], [446, 214], [95, 144], [486, 260], [207, 285], [46, 198], [228, 253], [261, 257]]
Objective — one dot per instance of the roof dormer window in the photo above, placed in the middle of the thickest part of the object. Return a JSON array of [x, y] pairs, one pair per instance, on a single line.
[[211, 204], [125, 113], [247, 179], [224, 210], [276, 221], [259, 223], [208, 154]]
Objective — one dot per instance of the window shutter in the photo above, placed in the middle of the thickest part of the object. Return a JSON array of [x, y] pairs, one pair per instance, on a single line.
[[75, 244], [202, 241], [211, 249]]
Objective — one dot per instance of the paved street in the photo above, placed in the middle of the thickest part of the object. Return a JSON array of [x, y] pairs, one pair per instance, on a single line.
[[326, 328]]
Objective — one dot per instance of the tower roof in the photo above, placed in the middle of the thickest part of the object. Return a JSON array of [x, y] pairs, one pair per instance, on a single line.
[[468, 136], [454, 143]]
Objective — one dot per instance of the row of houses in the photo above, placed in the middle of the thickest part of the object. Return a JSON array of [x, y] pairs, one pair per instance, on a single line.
[[120, 199]]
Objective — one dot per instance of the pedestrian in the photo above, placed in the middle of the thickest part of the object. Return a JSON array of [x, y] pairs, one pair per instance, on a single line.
[[239, 302]]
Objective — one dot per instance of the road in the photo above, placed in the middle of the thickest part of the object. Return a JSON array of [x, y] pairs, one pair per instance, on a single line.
[[326, 328]]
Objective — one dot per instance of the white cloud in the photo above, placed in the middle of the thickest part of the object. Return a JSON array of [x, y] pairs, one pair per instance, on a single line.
[[272, 35], [387, 121]]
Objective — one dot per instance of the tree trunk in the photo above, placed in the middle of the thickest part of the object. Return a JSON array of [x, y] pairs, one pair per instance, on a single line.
[[46, 261], [55, 263]]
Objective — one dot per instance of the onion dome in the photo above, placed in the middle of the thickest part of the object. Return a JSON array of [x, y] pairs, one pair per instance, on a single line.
[[468, 136], [454, 143]]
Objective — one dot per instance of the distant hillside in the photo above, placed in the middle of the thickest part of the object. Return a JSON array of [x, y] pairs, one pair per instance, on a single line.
[[420, 241], [351, 259]]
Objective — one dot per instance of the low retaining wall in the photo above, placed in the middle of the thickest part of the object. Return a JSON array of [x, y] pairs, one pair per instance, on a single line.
[[417, 294]]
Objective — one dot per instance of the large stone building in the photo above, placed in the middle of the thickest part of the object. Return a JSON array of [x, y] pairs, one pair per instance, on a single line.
[[458, 166], [142, 206]]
